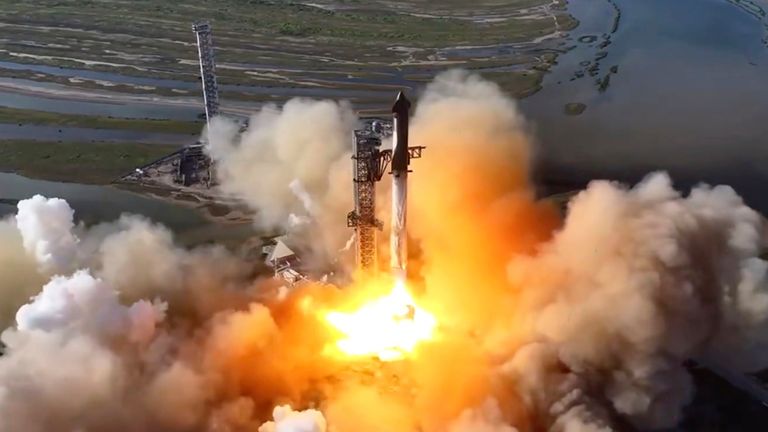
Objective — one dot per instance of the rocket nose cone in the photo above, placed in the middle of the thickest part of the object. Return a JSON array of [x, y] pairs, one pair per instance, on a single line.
[[402, 104]]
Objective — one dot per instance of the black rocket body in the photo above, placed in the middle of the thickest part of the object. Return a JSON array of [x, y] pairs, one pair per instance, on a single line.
[[400, 110], [400, 161]]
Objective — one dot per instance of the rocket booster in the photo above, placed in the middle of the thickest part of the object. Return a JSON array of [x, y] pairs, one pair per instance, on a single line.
[[400, 162]]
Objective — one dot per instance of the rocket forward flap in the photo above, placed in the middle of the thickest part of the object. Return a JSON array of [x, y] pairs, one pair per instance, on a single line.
[[402, 104]]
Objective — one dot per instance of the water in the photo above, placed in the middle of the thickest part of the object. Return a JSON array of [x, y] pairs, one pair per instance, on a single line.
[[54, 97], [63, 133], [100, 76], [95, 204], [330, 88], [690, 97], [392, 78], [106, 108]]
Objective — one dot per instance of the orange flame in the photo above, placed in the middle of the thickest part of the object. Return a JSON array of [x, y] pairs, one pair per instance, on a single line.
[[388, 328]]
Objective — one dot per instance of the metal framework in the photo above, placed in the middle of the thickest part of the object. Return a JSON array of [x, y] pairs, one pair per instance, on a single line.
[[369, 164], [194, 166], [207, 68], [414, 152]]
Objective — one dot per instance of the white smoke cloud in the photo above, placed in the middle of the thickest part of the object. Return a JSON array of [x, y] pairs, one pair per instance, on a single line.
[[176, 397], [579, 419], [89, 349], [73, 379], [19, 275], [301, 193], [486, 418], [292, 167], [743, 337], [285, 160], [87, 305], [288, 420], [137, 243], [46, 226], [93, 358]]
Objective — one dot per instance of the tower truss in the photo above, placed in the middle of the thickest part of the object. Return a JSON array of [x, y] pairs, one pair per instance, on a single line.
[[369, 163], [202, 30]]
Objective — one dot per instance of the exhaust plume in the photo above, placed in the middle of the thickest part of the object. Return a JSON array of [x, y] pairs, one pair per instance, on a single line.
[[581, 324]]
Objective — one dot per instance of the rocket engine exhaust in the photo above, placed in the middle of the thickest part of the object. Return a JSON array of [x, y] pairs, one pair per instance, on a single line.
[[400, 162]]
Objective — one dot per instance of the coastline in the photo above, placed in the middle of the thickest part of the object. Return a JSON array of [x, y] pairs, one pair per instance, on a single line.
[[215, 208]]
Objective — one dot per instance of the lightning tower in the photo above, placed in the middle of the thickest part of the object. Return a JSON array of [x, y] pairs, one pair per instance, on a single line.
[[202, 30], [194, 166]]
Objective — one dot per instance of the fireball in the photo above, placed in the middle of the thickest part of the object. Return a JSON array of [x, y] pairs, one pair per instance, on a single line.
[[388, 328]]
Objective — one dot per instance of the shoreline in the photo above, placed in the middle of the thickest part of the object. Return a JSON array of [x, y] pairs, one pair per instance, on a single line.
[[209, 208], [212, 208]]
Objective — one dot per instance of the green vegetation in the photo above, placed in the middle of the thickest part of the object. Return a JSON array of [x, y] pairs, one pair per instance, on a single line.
[[95, 163], [561, 200], [274, 43], [22, 116], [575, 108], [95, 84], [603, 83], [520, 83]]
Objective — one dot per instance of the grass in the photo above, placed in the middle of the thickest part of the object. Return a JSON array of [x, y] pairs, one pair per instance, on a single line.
[[92, 163], [96, 84], [293, 42], [23, 116], [240, 24], [574, 108], [561, 200], [519, 83], [373, 22]]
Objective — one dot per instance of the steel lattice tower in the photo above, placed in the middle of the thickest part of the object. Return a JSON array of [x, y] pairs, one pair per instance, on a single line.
[[207, 68], [369, 164]]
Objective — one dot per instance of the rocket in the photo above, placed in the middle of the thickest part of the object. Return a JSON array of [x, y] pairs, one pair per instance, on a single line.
[[400, 161]]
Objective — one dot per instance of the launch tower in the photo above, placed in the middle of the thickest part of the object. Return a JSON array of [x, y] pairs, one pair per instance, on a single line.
[[369, 163]]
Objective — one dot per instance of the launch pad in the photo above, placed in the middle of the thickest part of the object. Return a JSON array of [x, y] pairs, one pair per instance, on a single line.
[[189, 167]]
